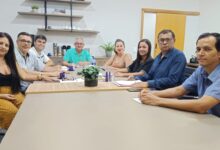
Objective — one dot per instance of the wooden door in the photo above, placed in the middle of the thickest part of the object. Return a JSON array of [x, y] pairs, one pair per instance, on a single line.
[[175, 22]]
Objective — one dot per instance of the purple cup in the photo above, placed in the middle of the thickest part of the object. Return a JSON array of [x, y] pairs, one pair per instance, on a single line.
[[70, 68], [62, 75]]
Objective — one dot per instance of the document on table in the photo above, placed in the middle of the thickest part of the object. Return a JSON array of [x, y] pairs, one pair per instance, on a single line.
[[125, 83], [137, 100], [69, 81]]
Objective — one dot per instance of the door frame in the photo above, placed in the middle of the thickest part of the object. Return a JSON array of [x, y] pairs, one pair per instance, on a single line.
[[152, 10]]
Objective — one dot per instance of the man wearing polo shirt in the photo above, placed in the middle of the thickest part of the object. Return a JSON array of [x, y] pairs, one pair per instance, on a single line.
[[206, 79], [77, 55], [168, 67], [38, 50]]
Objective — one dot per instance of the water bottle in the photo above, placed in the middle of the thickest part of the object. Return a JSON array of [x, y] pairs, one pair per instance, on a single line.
[[54, 49], [59, 53], [93, 61], [63, 50], [109, 76], [106, 76]]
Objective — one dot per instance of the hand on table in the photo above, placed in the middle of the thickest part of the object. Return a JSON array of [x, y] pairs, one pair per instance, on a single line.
[[148, 97], [131, 77]]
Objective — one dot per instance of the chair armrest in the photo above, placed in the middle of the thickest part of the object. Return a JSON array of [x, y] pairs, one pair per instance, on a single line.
[[189, 97]]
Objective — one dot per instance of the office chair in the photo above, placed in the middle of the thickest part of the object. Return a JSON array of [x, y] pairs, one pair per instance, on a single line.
[[2, 133], [187, 73]]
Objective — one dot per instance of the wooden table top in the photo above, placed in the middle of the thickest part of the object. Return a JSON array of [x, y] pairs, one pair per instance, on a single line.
[[40, 87], [107, 120]]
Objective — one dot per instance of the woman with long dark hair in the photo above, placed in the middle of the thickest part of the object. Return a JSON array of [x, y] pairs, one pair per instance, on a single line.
[[141, 64], [10, 74]]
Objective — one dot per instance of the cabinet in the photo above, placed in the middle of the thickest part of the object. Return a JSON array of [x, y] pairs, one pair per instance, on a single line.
[[46, 16]]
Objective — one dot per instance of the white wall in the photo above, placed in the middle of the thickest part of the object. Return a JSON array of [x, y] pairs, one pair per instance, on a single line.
[[191, 35], [114, 19], [209, 17], [149, 29]]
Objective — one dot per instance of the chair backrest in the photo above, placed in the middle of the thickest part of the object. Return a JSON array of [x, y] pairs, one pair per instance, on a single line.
[[187, 73]]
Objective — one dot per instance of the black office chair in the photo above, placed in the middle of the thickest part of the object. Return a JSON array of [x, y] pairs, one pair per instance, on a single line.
[[187, 73], [2, 133]]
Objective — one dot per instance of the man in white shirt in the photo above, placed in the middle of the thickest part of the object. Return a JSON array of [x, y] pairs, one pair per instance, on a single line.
[[28, 61], [37, 50]]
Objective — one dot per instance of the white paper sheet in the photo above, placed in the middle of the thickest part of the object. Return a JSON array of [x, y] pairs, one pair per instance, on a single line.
[[137, 100], [125, 83], [69, 81]]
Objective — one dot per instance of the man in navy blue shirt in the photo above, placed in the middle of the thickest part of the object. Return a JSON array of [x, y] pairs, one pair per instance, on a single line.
[[206, 79], [168, 67]]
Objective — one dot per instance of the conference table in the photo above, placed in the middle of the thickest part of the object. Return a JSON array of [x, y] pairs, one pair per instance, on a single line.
[[106, 120]]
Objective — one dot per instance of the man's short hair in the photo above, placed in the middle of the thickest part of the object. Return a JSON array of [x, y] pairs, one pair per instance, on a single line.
[[42, 37], [23, 33], [79, 38], [215, 35], [165, 31]]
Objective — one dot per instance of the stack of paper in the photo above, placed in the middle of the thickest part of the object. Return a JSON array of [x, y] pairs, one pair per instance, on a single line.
[[125, 83]]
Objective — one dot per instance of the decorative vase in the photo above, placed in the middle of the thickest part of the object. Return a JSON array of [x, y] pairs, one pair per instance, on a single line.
[[34, 10], [91, 82], [108, 53]]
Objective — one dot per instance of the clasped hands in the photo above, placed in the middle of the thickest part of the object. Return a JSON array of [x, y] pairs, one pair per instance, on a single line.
[[9, 97], [147, 97]]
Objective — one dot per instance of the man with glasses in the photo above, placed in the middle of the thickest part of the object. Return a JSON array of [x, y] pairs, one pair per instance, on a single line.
[[28, 61], [77, 55], [206, 79], [24, 58], [168, 67]]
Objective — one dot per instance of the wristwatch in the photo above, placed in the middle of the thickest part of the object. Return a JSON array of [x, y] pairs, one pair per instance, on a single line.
[[39, 77]]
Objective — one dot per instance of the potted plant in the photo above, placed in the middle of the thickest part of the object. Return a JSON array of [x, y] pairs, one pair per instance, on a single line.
[[34, 8], [108, 47], [90, 74]]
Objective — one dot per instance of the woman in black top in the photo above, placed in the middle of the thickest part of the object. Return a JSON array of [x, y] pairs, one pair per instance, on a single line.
[[10, 97], [10, 75], [141, 64]]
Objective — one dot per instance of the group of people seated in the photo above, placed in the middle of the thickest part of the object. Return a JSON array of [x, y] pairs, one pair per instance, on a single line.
[[161, 77]]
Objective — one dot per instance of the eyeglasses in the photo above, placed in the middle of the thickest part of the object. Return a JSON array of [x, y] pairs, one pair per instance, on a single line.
[[24, 41], [164, 40], [79, 43]]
